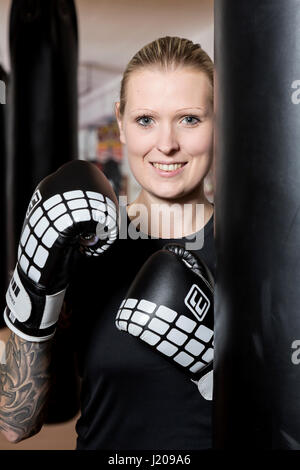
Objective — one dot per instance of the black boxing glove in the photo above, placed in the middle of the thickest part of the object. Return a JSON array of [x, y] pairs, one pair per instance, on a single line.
[[74, 208], [169, 306]]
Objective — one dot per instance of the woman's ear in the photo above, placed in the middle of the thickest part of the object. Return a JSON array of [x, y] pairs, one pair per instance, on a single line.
[[120, 122]]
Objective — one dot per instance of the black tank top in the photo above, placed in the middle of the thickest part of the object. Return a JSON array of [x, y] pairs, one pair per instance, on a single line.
[[131, 397]]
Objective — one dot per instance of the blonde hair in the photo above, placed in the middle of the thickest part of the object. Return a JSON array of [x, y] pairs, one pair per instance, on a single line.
[[165, 53]]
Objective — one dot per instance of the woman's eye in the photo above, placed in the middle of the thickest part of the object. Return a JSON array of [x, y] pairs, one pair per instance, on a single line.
[[144, 121], [191, 120]]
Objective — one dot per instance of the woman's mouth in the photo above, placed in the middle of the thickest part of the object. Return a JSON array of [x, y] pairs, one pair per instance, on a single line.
[[168, 169]]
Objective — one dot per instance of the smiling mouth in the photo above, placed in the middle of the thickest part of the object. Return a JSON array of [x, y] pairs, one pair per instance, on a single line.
[[168, 167]]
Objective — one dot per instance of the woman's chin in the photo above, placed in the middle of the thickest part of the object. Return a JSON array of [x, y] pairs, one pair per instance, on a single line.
[[170, 195]]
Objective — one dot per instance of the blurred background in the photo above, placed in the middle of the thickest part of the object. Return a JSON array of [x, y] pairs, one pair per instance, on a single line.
[[110, 32]]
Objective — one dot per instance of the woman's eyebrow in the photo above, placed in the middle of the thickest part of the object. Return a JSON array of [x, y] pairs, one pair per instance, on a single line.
[[148, 110], [201, 108]]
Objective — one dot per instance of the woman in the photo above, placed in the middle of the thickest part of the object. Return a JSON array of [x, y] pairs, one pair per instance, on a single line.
[[165, 116], [132, 398]]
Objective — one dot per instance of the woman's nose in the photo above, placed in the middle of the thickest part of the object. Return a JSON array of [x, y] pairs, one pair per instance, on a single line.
[[167, 142]]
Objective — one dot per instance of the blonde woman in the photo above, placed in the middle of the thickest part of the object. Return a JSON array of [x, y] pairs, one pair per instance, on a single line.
[[132, 398]]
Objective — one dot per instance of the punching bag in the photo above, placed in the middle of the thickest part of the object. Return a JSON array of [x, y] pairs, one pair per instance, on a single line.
[[43, 132], [257, 304], [3, 151], [44, 58]]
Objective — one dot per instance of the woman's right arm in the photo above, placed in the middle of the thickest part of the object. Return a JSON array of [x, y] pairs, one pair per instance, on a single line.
[[54, 231], [25, 381]]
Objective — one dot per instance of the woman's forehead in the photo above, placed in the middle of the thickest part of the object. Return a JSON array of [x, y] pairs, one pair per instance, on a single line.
[[184, 87]]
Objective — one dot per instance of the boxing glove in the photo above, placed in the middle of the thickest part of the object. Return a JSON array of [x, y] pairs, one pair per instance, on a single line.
[[169, 306], [72, 209]]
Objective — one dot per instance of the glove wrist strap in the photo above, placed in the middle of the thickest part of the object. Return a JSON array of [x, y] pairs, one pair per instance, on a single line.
[[30, 315]]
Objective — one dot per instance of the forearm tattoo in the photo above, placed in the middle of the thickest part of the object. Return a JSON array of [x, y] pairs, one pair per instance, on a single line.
[[24, 386]]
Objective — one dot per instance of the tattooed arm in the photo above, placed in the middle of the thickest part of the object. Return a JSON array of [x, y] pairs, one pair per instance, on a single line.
[[24, 387]]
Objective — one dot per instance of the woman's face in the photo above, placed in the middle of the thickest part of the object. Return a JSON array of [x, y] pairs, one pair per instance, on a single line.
[[167, 126]]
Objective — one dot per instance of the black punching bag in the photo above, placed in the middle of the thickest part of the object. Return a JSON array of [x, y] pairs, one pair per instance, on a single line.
[[3, 150], [43, 132], [257, 308], [44, 58]]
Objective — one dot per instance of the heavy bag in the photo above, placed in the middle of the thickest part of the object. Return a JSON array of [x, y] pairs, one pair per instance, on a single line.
[[44, 58], [257, 303]]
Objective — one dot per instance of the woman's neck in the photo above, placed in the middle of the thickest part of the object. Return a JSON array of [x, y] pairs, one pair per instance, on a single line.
[[165, 218]]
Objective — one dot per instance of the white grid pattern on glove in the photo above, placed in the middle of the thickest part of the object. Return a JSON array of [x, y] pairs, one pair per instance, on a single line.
[[55, 215], [189, 346]]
